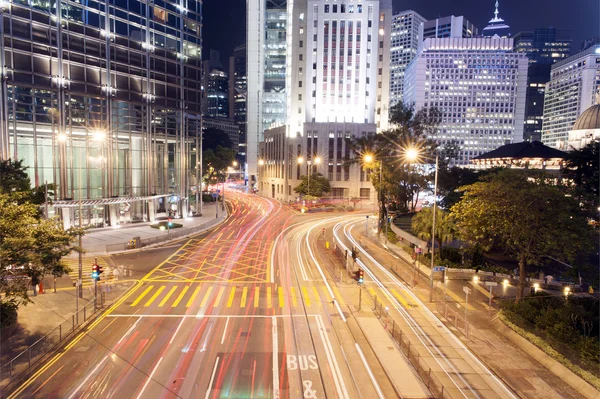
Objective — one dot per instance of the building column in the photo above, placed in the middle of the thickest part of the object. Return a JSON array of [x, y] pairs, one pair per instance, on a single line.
[[65, 214], [151, 210]]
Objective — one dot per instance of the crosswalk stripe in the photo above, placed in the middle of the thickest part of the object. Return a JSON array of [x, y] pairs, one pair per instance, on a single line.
[[219, 295], [339, 297], [256, 296], [371, 291], [280, 296], [231, 296], [166, 298], [293, 294], [269, 299], [142, 295], [244, 294], [317, 296], [181, 295], [306, 296], [206, 296], [153, 297], [194, 294]]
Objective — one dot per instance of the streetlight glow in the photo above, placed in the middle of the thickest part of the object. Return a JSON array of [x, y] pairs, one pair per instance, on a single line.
[[317, 160], [99, 135], [300, 159], [62, 137], [411, 154], [368, 158], [261, 162], [235, 163]]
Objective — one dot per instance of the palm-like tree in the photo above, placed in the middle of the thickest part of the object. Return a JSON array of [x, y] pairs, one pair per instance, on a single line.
[[421, 224]]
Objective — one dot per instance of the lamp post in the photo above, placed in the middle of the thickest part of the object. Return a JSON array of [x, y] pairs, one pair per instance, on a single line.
[[309, 163], [433, 228]]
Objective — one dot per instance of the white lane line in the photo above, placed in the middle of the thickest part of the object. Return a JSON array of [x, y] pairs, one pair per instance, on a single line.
[[93, 372], [129, 331], [212, 378], [275, 360], [176, 331], [373, 380], [209, 316], [331, 359], [149, 378], [275, 246], [224, 331]]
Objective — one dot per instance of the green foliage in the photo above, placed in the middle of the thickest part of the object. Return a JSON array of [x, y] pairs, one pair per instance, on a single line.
[[165, 224], [215, 164], [15, 182], [319, 184], [523, 214], [582, 166], [8, 315], [422, 223], [213, 138]]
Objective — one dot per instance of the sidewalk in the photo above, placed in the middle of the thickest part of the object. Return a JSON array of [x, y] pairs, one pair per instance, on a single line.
[[108, 240]]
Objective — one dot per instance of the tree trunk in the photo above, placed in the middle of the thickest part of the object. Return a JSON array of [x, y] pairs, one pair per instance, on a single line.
[[521, 284]]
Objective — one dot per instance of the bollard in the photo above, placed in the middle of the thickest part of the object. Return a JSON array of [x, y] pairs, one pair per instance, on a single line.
[[428, 377], [84, 313], [73, 317], [59, 332]]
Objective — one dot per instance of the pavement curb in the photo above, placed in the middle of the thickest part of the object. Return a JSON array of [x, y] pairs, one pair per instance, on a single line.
[[566, 375]]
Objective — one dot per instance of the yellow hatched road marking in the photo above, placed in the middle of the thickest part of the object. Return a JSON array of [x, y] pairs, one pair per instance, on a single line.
[[399, 297], [219, 295], [166, 298], [181, 295], [371, 291], [317, 296], [256, 295], [244, 294], [231, 296], [280, 296], [153, 297], [306, 296], [269, 296], [205, 299], [142, 295], [191, 300], [217, 254], [294, 300]]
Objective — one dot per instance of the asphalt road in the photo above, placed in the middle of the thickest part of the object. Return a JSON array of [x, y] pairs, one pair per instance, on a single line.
[[238, 313]]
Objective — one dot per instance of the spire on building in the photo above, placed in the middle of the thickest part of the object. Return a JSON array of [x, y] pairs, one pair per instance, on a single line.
[[496, 26]]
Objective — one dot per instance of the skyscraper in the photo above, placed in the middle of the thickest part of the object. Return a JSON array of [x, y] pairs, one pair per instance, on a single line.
[[573, 84], [405, 41], [496, 26], [449, 27], [238, 92], [215, 85], [104, 101], [477, 84], [543, 46]]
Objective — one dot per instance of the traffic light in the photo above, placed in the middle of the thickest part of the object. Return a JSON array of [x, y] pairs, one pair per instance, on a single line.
[[170, 223], [95, 274], [354, 253], [361, 276], [100, 271]]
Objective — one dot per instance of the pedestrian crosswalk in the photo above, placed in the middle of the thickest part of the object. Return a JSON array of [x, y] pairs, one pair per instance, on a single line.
[[87, 262], [241, 297]]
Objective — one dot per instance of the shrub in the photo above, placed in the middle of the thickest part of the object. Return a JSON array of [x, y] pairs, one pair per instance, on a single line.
[[8, 315], [164, 224]]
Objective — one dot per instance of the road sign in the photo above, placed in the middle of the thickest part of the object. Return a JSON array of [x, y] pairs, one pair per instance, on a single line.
[[439, 268], [215, 195], [467, 290], [491, 283]]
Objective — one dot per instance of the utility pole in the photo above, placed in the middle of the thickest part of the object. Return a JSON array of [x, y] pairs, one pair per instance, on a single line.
[[433, 230]]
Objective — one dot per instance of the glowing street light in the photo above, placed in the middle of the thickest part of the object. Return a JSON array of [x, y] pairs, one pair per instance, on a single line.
[[261, 162], [411, 154]]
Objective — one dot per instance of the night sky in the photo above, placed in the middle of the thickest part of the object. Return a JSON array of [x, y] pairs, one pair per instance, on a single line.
[[225, 20]]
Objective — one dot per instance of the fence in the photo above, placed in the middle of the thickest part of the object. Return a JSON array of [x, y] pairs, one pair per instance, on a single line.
[[167, 236], [48, 342]]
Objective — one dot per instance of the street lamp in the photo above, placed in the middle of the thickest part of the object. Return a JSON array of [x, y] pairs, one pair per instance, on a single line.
[[316, 160]]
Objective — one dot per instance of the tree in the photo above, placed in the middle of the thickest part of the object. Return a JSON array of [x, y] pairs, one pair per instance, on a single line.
[[213, 138], [216, 162], [421, 224], [319, 184], [582, 166], [14, 181], [525, 215]]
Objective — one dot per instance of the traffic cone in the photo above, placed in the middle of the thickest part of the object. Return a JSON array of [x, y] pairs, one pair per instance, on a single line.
[[41, 287]]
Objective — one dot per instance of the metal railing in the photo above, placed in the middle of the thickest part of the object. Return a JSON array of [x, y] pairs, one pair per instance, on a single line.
[[50, 341]]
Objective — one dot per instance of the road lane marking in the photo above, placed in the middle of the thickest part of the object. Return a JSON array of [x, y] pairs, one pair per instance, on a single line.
[[294, 300], [280, 290], [153, 297], [333, 364], [317, 296], [217, 316], [219, 295], [275, 358], [399, 297], [244, 294], [256, 296], [149, 378], [269, 299], [181, 295], [224, 331], [231, 297], [74, 394], [212, 378], [191, 300], [166, 298], [48, 379], [142, 295], [306, 296], [206, 296], [373, 380], [175, 333], [128, 331]]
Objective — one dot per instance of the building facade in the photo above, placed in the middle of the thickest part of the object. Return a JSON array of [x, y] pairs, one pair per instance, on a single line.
[[573, 84], [496, 26], [103, 99], [229, 127], [449, 27], [543, 47], [477, 84], [405, 41], [238, 93], [215, 87]]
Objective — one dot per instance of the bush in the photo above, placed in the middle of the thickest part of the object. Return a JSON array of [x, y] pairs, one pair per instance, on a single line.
[[8, 315], [164, 224], [451, 254]]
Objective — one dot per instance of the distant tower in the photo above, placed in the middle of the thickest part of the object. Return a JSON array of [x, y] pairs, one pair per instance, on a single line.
[[496, 26]]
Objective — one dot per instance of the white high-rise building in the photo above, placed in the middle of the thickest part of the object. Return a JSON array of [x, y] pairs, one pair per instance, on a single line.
[[450, 26], [478, 85], [573, 84], [337, 86], [405, 41]]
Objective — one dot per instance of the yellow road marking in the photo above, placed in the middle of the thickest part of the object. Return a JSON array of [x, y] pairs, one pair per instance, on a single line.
[[294, 300], [244, 294], [306, 296], [317, 296], [217, 240], [231, 296], [269, 297], [153, 297], [256, 295], [191, 300], [162, 303], [142, 295], [219, 295], [280, 296], [480, 289], [400, 298], [371, 291], [181, 295], [208, 291], [339, 297]]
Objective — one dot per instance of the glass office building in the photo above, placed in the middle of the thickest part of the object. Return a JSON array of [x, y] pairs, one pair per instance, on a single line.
[[103, 99]]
